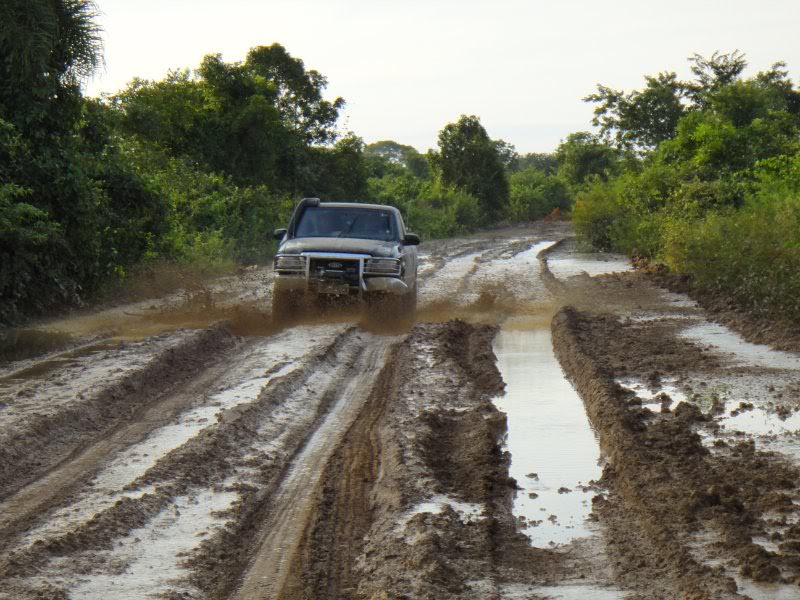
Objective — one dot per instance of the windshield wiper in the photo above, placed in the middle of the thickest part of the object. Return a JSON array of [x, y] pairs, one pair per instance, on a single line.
[[349, 229]]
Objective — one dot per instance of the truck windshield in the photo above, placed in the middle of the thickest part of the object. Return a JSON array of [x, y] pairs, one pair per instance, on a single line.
[[346, 222]]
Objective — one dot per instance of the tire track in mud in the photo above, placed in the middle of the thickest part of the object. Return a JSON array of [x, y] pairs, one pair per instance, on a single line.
[[416, 502], [291, 504], [35, 447], [237, 443], [115, 460]]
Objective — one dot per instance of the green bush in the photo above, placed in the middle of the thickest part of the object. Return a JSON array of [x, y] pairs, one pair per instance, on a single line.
[[534, 195], [752, 254], [599, 217], [430, 208]]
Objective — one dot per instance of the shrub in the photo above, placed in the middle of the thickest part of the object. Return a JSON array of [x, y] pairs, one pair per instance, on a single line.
[[535, 194]]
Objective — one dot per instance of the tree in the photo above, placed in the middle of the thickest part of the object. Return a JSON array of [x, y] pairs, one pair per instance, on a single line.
[[47, 48], [713, 73], [542, 161], [469, 160], [392, 151], [534, 194], [583, 155], [640, 119], [298, 92], [396, 154], [507, 154]]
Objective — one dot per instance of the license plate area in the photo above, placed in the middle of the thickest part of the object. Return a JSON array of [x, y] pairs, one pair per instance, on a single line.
[[334, 275], [334, 288]]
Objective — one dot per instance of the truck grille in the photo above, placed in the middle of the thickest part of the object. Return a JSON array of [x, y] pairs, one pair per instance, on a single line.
[[335, 269]]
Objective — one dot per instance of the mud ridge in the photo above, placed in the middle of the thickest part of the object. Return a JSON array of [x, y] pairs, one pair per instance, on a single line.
[[220, 562], [204, 461], [664, 485], [50, 439], [324, 563], [554, 285]]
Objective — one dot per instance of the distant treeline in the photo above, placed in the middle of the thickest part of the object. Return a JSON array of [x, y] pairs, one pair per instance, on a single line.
[[702, 176], [202, 166]]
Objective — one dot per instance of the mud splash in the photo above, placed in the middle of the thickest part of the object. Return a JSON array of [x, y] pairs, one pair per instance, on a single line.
[[553, 448]]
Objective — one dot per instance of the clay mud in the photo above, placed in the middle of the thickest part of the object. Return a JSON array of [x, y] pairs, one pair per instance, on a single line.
[[551, 424]]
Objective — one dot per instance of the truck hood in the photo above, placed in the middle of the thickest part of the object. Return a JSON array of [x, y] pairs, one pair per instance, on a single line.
[[351, 245]]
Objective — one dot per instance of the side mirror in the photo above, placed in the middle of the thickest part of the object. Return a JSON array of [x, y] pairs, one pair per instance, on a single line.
[[279, 233], [411, 239]]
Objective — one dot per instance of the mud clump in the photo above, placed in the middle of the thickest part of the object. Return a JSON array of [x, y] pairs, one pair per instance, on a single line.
[[461, 450]]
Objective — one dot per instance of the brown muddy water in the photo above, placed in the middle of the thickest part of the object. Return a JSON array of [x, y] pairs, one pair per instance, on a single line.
[[555, 456]]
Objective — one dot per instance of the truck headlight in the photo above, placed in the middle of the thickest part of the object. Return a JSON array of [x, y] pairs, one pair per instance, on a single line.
[[290, 262], [382, 266]]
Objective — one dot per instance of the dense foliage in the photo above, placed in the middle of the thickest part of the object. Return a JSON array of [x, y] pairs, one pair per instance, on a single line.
[[706, 180]]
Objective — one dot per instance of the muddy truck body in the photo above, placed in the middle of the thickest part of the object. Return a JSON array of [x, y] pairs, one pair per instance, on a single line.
[[345, 251]]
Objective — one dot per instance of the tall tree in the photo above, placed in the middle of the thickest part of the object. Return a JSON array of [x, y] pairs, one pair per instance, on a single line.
[[713, 73], [468, 159], [299, 92], [640, 119], [583, 155], [47, 47]]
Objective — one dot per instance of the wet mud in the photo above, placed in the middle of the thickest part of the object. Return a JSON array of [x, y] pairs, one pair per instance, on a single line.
[[187, 446]]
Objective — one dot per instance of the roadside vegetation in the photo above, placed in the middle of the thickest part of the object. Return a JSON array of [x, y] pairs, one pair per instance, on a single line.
[[702, 176], [200, 167]]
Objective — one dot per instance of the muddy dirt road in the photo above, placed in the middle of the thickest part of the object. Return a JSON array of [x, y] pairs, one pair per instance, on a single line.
[[553, 425]]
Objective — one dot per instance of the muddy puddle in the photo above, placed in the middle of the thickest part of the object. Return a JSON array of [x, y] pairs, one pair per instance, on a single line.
[[146, 557], [739, 350], [568, 259], [19, 344], [43, 368], [241, 384], [564, 591], [589, 264], [554, 452]]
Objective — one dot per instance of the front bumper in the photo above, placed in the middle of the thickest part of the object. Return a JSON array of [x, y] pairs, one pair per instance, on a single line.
[[369, 285], [322, 281]]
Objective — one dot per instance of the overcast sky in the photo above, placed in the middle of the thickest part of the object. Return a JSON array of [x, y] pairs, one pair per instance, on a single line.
[[408, 67]]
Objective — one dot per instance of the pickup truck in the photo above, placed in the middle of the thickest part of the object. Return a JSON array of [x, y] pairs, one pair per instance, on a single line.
[[345, 251]]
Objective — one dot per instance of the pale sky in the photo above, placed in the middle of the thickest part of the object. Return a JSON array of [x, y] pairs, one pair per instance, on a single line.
[[407, 68]]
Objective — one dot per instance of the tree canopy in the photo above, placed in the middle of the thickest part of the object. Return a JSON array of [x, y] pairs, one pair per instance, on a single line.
[[468, 159]]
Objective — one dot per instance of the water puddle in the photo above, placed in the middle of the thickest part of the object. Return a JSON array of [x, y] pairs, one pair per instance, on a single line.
[[656, 397], [739, 350], [41, 369], [241, 385], [150, 556], [554, 451], [589, 264], [19, 344], [577, 592]]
